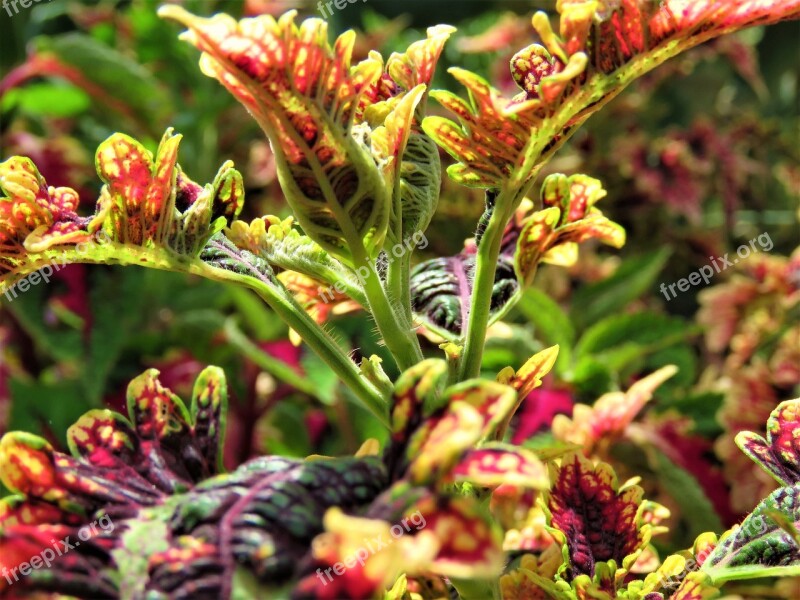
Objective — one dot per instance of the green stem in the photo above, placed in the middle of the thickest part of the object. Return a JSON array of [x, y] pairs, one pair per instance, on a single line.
[[279, 369], [401, 341], [481, 300], [278, 298], [398, 288], [319, 341]]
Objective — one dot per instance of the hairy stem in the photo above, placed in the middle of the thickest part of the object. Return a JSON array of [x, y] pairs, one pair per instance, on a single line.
[[481, 300], [285, 306], [400, 338], [277, 297]]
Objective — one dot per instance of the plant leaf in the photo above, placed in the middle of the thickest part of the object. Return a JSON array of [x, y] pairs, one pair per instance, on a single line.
[[605, 421], [471, 411], [148, 212], [283, 246], [597, 520], [609, 296], [599, 50], [779, 454], [551, 324], [441, 288], [759, 547], [492, 465]]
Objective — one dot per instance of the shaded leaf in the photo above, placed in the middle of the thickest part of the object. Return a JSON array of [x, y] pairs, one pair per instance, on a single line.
[[632, 279]]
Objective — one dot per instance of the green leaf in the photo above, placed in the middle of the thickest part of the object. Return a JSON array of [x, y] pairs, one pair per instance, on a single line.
[[322, 378], [551, 323], [115, 75], [701, 407], [46, 407], [620, 357], [760, 547], [36, 99], [647, 329], [682, 356], [113, 324], [61, 343], [591, 378], [632, 279], [245, 586], [420, 180], [684, 489]]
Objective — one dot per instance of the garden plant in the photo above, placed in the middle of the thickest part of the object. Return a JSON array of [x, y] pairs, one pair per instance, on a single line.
[[437, 492]]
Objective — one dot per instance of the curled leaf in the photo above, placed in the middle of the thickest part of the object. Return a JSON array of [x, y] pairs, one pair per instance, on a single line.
[[779, 454]]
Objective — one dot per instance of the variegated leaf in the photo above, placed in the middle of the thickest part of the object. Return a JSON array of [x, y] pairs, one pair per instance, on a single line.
[[760, 546], [471, 412], [149, 213], [282, 245], [779, 454], [600, 48], [596, 519], [33, 212], [492, 465]]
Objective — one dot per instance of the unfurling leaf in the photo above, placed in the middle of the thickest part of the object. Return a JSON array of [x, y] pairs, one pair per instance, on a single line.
[[148, 213], [148, 201], [568, 219], [283, 246], [30, 210], [339, 131], [529, 376]]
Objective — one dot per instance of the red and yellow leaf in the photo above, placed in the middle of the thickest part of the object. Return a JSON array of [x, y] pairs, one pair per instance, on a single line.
[[600, 48], [33, 215], [595, 427], [414, 387], [471, 411], [779, 454], [470, 545], [500, 464], [596, 519]]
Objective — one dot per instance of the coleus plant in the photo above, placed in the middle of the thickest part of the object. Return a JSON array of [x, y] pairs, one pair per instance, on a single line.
[[358, 161]]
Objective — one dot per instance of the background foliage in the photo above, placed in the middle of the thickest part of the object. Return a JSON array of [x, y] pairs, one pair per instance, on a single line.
[[698, 157]]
